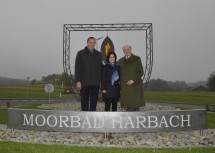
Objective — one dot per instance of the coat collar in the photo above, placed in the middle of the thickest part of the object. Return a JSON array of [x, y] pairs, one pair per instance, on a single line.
[[130, 58], [87, 50]]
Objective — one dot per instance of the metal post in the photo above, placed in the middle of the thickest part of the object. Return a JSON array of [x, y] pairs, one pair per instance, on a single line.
[[28, 78], [201, 132], [97, 42], [49, 96], [109, 27]]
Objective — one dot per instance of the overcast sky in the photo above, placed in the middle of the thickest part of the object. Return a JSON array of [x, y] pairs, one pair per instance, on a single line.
[[31, 34]]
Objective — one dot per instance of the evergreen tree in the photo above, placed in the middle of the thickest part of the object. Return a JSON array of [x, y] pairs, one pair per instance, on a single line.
[[211, 82]]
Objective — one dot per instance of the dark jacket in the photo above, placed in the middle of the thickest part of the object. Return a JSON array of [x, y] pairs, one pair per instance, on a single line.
[[112, 91], [88, 67]]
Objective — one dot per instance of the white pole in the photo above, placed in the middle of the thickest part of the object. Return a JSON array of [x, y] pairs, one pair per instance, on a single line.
[[97, 42], [49, 96]]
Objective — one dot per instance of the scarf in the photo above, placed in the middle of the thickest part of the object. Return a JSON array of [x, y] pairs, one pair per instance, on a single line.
[[115, 75]]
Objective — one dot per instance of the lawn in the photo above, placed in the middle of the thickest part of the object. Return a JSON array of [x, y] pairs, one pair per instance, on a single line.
[[37, 91], [190, 97], [30, 92], [14, 147]]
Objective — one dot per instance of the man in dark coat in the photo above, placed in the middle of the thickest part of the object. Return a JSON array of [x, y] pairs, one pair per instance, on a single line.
[[88, 69], [131, 71]]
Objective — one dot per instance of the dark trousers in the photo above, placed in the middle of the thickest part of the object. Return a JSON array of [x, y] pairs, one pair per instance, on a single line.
[[89, 93], [133, 109], [109, 102]]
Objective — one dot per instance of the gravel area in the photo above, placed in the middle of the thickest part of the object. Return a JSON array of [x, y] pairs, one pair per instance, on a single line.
[[76, 106]]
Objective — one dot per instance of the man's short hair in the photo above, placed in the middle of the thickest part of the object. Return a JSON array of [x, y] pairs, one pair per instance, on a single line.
[[126, 45], [91, 38]]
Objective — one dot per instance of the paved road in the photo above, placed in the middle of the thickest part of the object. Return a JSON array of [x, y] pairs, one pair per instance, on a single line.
[[33, 101], [191, 106]]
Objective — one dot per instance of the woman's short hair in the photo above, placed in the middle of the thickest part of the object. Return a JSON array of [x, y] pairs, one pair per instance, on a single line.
[[108, 56]]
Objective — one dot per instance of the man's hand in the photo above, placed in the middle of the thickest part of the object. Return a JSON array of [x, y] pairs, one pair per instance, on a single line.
[[130, 82], [103, 91], [78, 86]]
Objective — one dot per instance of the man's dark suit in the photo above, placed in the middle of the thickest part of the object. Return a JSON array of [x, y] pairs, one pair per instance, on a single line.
[[88, 69]]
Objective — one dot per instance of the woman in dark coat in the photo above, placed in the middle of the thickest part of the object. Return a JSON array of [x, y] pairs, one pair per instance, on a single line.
[[110, 82]]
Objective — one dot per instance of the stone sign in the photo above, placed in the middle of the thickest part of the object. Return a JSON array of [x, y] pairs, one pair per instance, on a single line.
[[77, 121]]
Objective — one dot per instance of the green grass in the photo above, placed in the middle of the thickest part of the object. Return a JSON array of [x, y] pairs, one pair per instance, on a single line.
[[211, 120], [37, 91], [32, 91], [3, 116], [3, 111], [189, 97], [30, 106], [14, 147]]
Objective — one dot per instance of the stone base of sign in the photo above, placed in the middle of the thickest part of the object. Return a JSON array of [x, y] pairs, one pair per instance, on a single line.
[[155, 140]]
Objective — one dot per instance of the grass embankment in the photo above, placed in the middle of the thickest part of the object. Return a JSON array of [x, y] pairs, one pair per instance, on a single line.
[[14, 147], [37, 91], [3, 111], [190, 97], [29, 92]]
